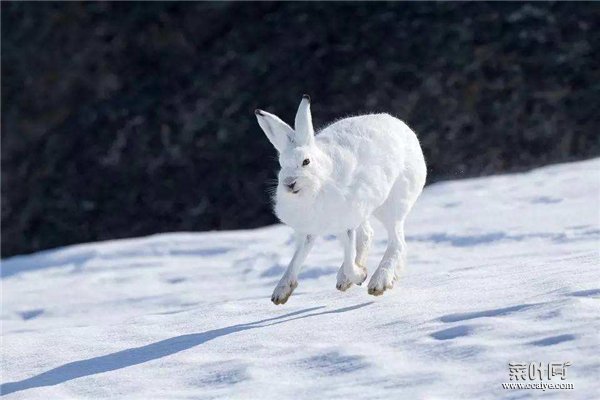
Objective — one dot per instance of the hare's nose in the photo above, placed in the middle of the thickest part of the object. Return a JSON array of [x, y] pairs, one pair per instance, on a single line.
[[290, 183]]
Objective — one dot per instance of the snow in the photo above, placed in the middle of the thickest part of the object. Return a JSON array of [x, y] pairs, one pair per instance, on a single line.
[[501, 269]]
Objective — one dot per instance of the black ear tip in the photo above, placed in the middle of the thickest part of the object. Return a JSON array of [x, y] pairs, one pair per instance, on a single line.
[[305, 96], [258, 112]]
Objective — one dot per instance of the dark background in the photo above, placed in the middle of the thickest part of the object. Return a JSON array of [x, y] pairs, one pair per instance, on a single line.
[[125, 119]]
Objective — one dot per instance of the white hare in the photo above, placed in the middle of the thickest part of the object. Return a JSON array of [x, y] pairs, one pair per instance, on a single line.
[[334, 181]]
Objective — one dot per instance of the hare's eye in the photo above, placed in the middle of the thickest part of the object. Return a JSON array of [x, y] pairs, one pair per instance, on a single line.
[[305, 162]]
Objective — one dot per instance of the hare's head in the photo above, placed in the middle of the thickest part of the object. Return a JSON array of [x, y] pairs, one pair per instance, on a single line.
[[303, 165]]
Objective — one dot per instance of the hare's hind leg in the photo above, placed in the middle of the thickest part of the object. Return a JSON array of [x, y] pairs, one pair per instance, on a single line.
[[393, 260], [350, 273], [392, 215]]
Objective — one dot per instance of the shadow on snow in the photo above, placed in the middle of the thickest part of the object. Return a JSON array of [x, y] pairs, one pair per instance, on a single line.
[[153, 351]]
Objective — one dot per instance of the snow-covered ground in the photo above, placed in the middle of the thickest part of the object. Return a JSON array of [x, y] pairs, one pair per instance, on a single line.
[[501, 269]]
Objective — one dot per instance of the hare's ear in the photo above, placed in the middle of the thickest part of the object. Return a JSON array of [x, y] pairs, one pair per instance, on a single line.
[[303, 123], [278, 132]]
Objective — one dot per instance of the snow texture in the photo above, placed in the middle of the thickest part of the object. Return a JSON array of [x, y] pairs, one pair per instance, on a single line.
[[500, 269]]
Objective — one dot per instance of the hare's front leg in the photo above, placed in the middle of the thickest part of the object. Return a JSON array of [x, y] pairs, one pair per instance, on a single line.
[[289, 280], [350, 273], [364, 237]]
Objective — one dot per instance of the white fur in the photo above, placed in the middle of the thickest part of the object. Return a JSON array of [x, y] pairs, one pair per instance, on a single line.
[[359, 166]]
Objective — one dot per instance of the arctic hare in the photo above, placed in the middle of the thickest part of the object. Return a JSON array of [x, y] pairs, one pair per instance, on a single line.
[[334, 181]]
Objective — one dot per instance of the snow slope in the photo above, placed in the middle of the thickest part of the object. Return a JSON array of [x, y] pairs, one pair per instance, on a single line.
[[501, 269]]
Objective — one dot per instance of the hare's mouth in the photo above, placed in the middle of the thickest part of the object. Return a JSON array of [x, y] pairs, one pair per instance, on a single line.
[[292, 187]]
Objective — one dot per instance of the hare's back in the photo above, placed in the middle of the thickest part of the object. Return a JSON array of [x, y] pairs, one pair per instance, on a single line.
[[371, 133]]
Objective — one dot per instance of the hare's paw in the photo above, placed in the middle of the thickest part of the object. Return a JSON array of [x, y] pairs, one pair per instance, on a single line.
[[283, 291], [357, 275], [343, 283], [381, 280]]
